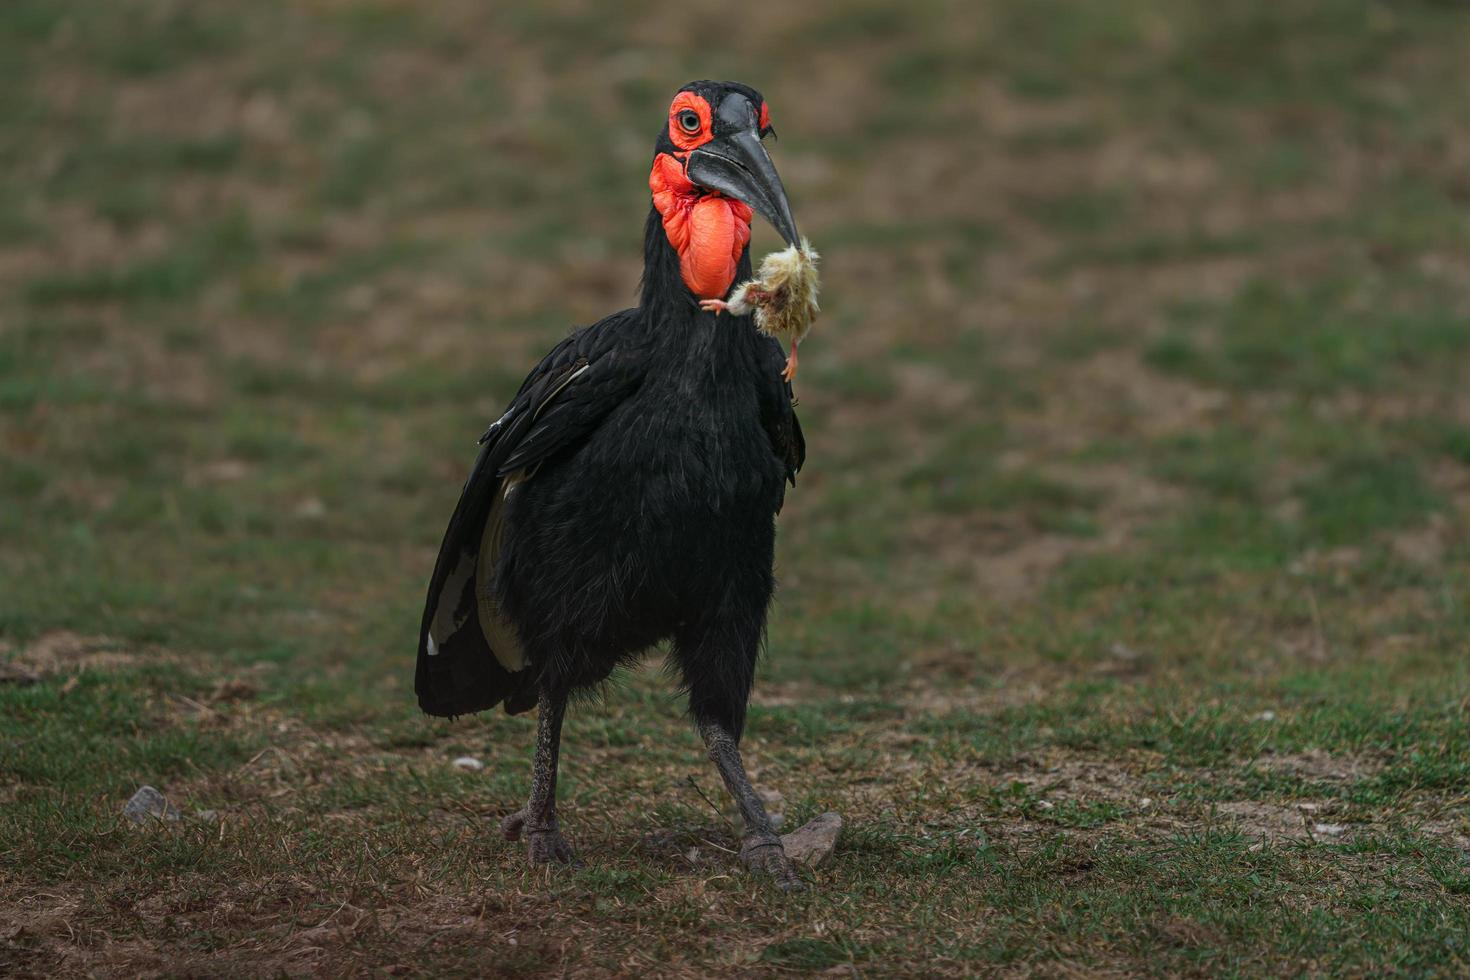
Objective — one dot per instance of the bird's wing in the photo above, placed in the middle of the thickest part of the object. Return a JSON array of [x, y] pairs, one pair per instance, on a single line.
[[778, 410], [469, 658]]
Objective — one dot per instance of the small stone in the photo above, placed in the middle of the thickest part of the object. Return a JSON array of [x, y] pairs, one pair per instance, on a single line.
[[1309, 807], [1123, 651], [468, 763], [1266, 716], [207, 816], [1145, 803], [777, 820], [147, 805], [813, 843], [1045, 804], [225, 470], [1329, 829]]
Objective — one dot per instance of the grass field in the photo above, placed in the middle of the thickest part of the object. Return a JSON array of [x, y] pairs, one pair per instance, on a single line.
[[1124, 597]]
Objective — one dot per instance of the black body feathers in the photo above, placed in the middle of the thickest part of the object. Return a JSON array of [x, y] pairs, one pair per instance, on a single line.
[[626, 497]]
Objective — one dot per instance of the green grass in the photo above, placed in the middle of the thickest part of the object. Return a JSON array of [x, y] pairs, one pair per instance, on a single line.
[[1317, 339], [1132, 549]]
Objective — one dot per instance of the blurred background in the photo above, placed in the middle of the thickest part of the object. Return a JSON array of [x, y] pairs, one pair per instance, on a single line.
[[1135, 506]]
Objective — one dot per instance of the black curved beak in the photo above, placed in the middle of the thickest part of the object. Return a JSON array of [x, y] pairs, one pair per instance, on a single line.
[[737, 165]]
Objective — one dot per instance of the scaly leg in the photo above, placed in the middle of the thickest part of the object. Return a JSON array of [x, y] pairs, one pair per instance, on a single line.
[[761, 850], [544, 842]]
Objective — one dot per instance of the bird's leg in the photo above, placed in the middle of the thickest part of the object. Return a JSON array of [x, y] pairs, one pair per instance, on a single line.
[[544, 842], [715, 306], [761, 850], [789, 373]]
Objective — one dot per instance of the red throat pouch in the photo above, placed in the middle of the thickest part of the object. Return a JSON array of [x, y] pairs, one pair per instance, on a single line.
[[708, 231]]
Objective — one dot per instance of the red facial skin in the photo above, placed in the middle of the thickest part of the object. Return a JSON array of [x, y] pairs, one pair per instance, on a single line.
[[684, 140], [708, 230]]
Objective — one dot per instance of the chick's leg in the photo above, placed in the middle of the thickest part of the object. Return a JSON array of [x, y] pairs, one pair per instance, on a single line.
[[761, 850], [789, 373], [544, 842], [741, 302]]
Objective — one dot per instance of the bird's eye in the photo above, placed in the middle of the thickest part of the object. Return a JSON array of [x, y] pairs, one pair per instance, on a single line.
[[689, 121]]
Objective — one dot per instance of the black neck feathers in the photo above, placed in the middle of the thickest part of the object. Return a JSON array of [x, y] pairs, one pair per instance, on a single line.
[[663, 292]]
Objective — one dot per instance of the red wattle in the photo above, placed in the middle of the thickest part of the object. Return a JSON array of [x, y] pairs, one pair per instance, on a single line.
[[708, 231]]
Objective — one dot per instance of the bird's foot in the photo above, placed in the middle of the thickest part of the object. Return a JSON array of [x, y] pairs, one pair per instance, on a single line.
[[715, 306], [544, 842], [762, 854]]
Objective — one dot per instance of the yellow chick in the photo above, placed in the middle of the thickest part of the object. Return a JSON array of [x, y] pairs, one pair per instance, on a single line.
[[783, 296]]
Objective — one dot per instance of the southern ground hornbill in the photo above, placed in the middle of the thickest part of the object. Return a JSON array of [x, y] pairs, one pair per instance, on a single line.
[[628, 495]]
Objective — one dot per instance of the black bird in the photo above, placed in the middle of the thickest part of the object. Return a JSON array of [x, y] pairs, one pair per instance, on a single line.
[[628, 495]]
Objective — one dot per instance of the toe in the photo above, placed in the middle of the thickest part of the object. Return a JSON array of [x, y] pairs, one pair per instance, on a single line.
[[511, 825], [768, 858], [549, 847]]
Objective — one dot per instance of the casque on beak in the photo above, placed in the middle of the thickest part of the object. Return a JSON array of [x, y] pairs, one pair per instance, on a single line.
[[737, 165]]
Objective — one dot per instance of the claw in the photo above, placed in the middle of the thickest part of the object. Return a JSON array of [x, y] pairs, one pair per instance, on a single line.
[[715, 306]]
